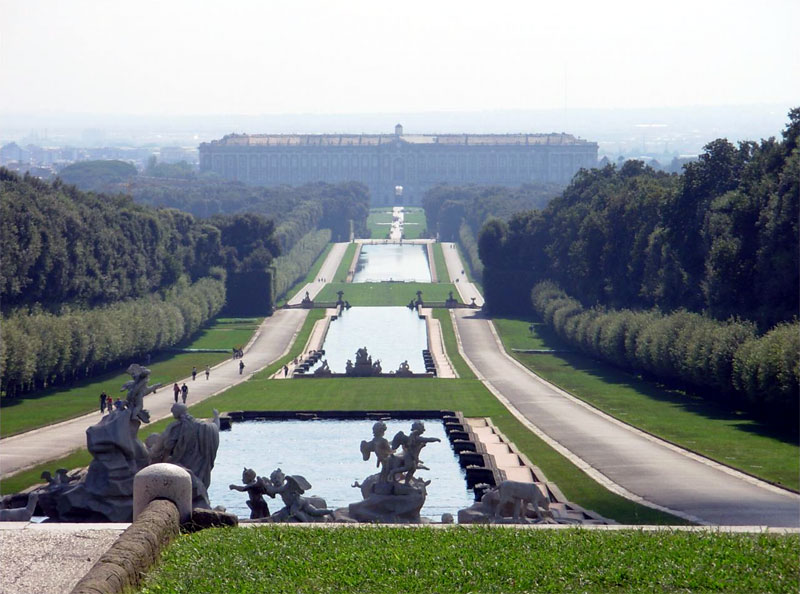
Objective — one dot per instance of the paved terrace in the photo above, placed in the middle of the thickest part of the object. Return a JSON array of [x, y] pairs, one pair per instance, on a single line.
[[624, 459]]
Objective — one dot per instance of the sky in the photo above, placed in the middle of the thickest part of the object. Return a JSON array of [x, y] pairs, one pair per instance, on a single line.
[[194, 57]]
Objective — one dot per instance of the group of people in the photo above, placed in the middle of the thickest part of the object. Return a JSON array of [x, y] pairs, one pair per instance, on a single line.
[[109, 404], [182, 392]]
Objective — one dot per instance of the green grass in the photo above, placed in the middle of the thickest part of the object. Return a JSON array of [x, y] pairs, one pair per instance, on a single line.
[[696, 424], [386, 293], [312, 275], [477, 559], [441, 267], [469, 396], [451, 345], [344, 265], [379, 222], [414, 223], [54, 405]]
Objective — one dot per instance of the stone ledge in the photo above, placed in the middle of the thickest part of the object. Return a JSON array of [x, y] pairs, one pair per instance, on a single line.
[[135, 551]]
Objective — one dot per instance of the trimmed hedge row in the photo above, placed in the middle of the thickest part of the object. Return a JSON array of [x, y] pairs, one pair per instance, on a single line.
[[469, 246], [726, 360], [293, 266], [40, 349]]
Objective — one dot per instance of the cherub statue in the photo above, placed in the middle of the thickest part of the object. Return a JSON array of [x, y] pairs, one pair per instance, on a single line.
[[386, 460], [137, 389], [291, 489], [412, 446], [256, 488]]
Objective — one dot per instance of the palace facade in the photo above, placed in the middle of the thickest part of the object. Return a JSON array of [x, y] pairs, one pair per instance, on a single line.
[[398, 168]]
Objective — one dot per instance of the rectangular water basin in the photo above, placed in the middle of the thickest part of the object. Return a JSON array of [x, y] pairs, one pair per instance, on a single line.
[[326, 452], [390, 334], [393, 262]]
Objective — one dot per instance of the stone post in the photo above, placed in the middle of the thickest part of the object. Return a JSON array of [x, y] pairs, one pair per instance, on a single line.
[[163, 481]]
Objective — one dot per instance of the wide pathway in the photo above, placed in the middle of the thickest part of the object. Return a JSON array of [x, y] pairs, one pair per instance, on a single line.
[[270, 342], [628, 461]]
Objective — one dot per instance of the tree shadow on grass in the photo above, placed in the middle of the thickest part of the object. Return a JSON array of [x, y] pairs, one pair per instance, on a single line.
[[688, 400]]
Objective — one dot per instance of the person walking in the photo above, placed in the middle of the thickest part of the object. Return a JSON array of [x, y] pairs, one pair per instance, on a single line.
[[285, 370], [176, 389], [241, 367], [208, 372], [184, 392], [109, 404], [194, 373], [103, 397]]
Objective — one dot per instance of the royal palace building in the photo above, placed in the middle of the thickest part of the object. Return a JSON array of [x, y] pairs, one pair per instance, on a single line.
[[398, 168]]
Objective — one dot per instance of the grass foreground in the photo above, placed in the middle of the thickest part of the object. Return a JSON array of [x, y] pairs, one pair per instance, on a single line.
[[474, 559], [691, 422]]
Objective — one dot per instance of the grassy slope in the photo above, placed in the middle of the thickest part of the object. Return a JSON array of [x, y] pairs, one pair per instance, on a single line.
[[441, 266], [451, 345], [693, 423], [310, 277], [386, 293], [479, 559], [379, 221], [344, 265], [50, 406], [414, 223]]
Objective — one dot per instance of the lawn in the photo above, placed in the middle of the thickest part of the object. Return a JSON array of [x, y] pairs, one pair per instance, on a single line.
[[475, 559], [344, 265], [379, 222], [59, 404], [451, 345], [727, 436], [386, 293], [312, 275], [441, 267], [414, 223]]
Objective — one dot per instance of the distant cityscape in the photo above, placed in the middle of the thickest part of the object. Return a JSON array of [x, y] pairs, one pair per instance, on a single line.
[[664, 138]]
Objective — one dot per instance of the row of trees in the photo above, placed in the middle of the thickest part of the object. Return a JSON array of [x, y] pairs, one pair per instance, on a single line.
[[41, 349], [723, 360], [63, 246], [722, 238], [457, 213], [291, 267]]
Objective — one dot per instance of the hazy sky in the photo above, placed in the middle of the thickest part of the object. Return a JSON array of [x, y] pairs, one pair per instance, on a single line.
[[342, 56]]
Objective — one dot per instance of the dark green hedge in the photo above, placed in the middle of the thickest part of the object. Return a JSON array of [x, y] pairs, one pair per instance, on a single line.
[[722, 360], [40, 349]]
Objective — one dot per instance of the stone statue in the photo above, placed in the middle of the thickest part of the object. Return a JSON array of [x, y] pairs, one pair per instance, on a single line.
[[296, 507], [404, 370], [20, 514], [393, 495], [364, 366], [256, 488], [412, 446], [192, 444], [323, 370], [137, 389], [511, 502]]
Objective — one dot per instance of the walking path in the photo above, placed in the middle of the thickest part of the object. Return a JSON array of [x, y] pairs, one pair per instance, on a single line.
[[624, 459], [270, 342]]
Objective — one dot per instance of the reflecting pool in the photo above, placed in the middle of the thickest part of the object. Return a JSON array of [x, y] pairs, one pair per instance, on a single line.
[[392, 262], [326, 453], [391, 334]]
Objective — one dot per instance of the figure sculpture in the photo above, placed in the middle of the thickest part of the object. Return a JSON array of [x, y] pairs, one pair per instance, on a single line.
[[511, 502], [20, 514], [191, 444], [296, 507], [256, 488], [137, 389], [394, 494], [404, 370]]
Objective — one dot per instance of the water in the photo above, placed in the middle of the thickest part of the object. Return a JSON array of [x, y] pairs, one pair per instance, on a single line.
[[391, 334], [393, 262], [326, 453]]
